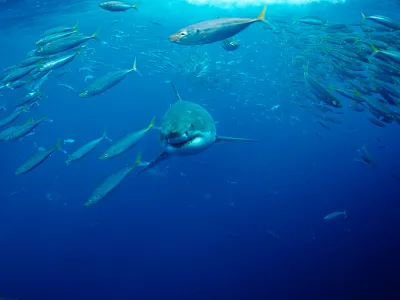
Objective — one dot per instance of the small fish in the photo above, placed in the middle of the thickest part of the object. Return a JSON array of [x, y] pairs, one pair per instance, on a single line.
[[111, 183], [126, 142], [70, 141], [335, 214], [36, 160]]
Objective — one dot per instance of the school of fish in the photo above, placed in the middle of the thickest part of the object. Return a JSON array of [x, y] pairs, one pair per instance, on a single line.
[[332, 68]]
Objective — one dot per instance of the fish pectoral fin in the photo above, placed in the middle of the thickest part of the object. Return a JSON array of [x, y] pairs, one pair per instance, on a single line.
[[233, 139], [160, 157]]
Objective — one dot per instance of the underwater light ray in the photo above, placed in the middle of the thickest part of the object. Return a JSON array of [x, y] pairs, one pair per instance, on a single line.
[[259, 2]]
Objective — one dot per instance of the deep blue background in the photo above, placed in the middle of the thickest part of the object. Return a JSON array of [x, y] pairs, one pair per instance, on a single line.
[[189, 232]]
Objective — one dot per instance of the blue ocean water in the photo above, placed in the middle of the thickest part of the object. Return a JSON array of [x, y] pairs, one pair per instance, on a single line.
[[239, 221]]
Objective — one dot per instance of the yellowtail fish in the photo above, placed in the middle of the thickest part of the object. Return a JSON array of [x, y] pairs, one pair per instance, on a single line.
[[86, 149], [216, 30], [107, 81], [382, 20], [59, 30], [110, 183], [36, 160], [50, 38], [65, 44], [22, 130], [58, 62], [127, 142], [12, 117], [117, 6]]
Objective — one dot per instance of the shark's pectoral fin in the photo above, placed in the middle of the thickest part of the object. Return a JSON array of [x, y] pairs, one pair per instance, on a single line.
[[160, 157], [232, 139]]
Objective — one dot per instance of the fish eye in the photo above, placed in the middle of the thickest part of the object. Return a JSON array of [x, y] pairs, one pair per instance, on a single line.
[[334, 102], [183, 33]]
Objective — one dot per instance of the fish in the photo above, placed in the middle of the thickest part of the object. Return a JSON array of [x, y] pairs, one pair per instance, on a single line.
[[86, 149], [18, 73], [107, 81], [36, 160], [127, 142], [382, 20], [20, 131], [65, 44], [59, 30], [70, 141], [187, 128], [12, 117], [59, 61], [117, 6], [29, 98], [390, 54], [335, 214], [110, 183], [216, 30], [56, 36]]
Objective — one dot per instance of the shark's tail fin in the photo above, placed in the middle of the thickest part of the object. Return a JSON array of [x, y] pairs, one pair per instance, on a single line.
[[233, 139]]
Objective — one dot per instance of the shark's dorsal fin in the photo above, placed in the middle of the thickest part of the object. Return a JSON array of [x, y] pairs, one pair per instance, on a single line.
[[233, 139], [178, 97]]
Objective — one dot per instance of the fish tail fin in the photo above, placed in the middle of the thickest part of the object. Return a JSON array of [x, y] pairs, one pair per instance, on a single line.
[[95, 35], [345, 213], [105, 136], [138, 160], [134, 67], [233, 139], [76, 27], [58, 145], [363, 18], [376, 50], [134, 6], [44, 117], [65, 141], [261, 16], [151, 123]]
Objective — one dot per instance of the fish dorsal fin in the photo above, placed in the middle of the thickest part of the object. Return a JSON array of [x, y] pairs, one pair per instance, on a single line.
[[178, 97]]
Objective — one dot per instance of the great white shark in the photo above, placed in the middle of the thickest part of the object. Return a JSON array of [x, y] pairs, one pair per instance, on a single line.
[[187, 128]]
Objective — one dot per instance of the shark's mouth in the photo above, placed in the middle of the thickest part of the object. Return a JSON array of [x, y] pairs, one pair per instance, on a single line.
[[181, 144]]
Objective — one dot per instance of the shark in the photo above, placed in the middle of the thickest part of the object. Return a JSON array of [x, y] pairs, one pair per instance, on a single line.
[[187, 128]]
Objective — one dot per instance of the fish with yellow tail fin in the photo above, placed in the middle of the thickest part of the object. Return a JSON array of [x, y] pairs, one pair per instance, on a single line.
[[390, 54], [107, 81], [216, 30], [382, 20], [187, 129], [86, 149], [36, 160], [117, 6], [126, 142], [65, 44], [111, 183]]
